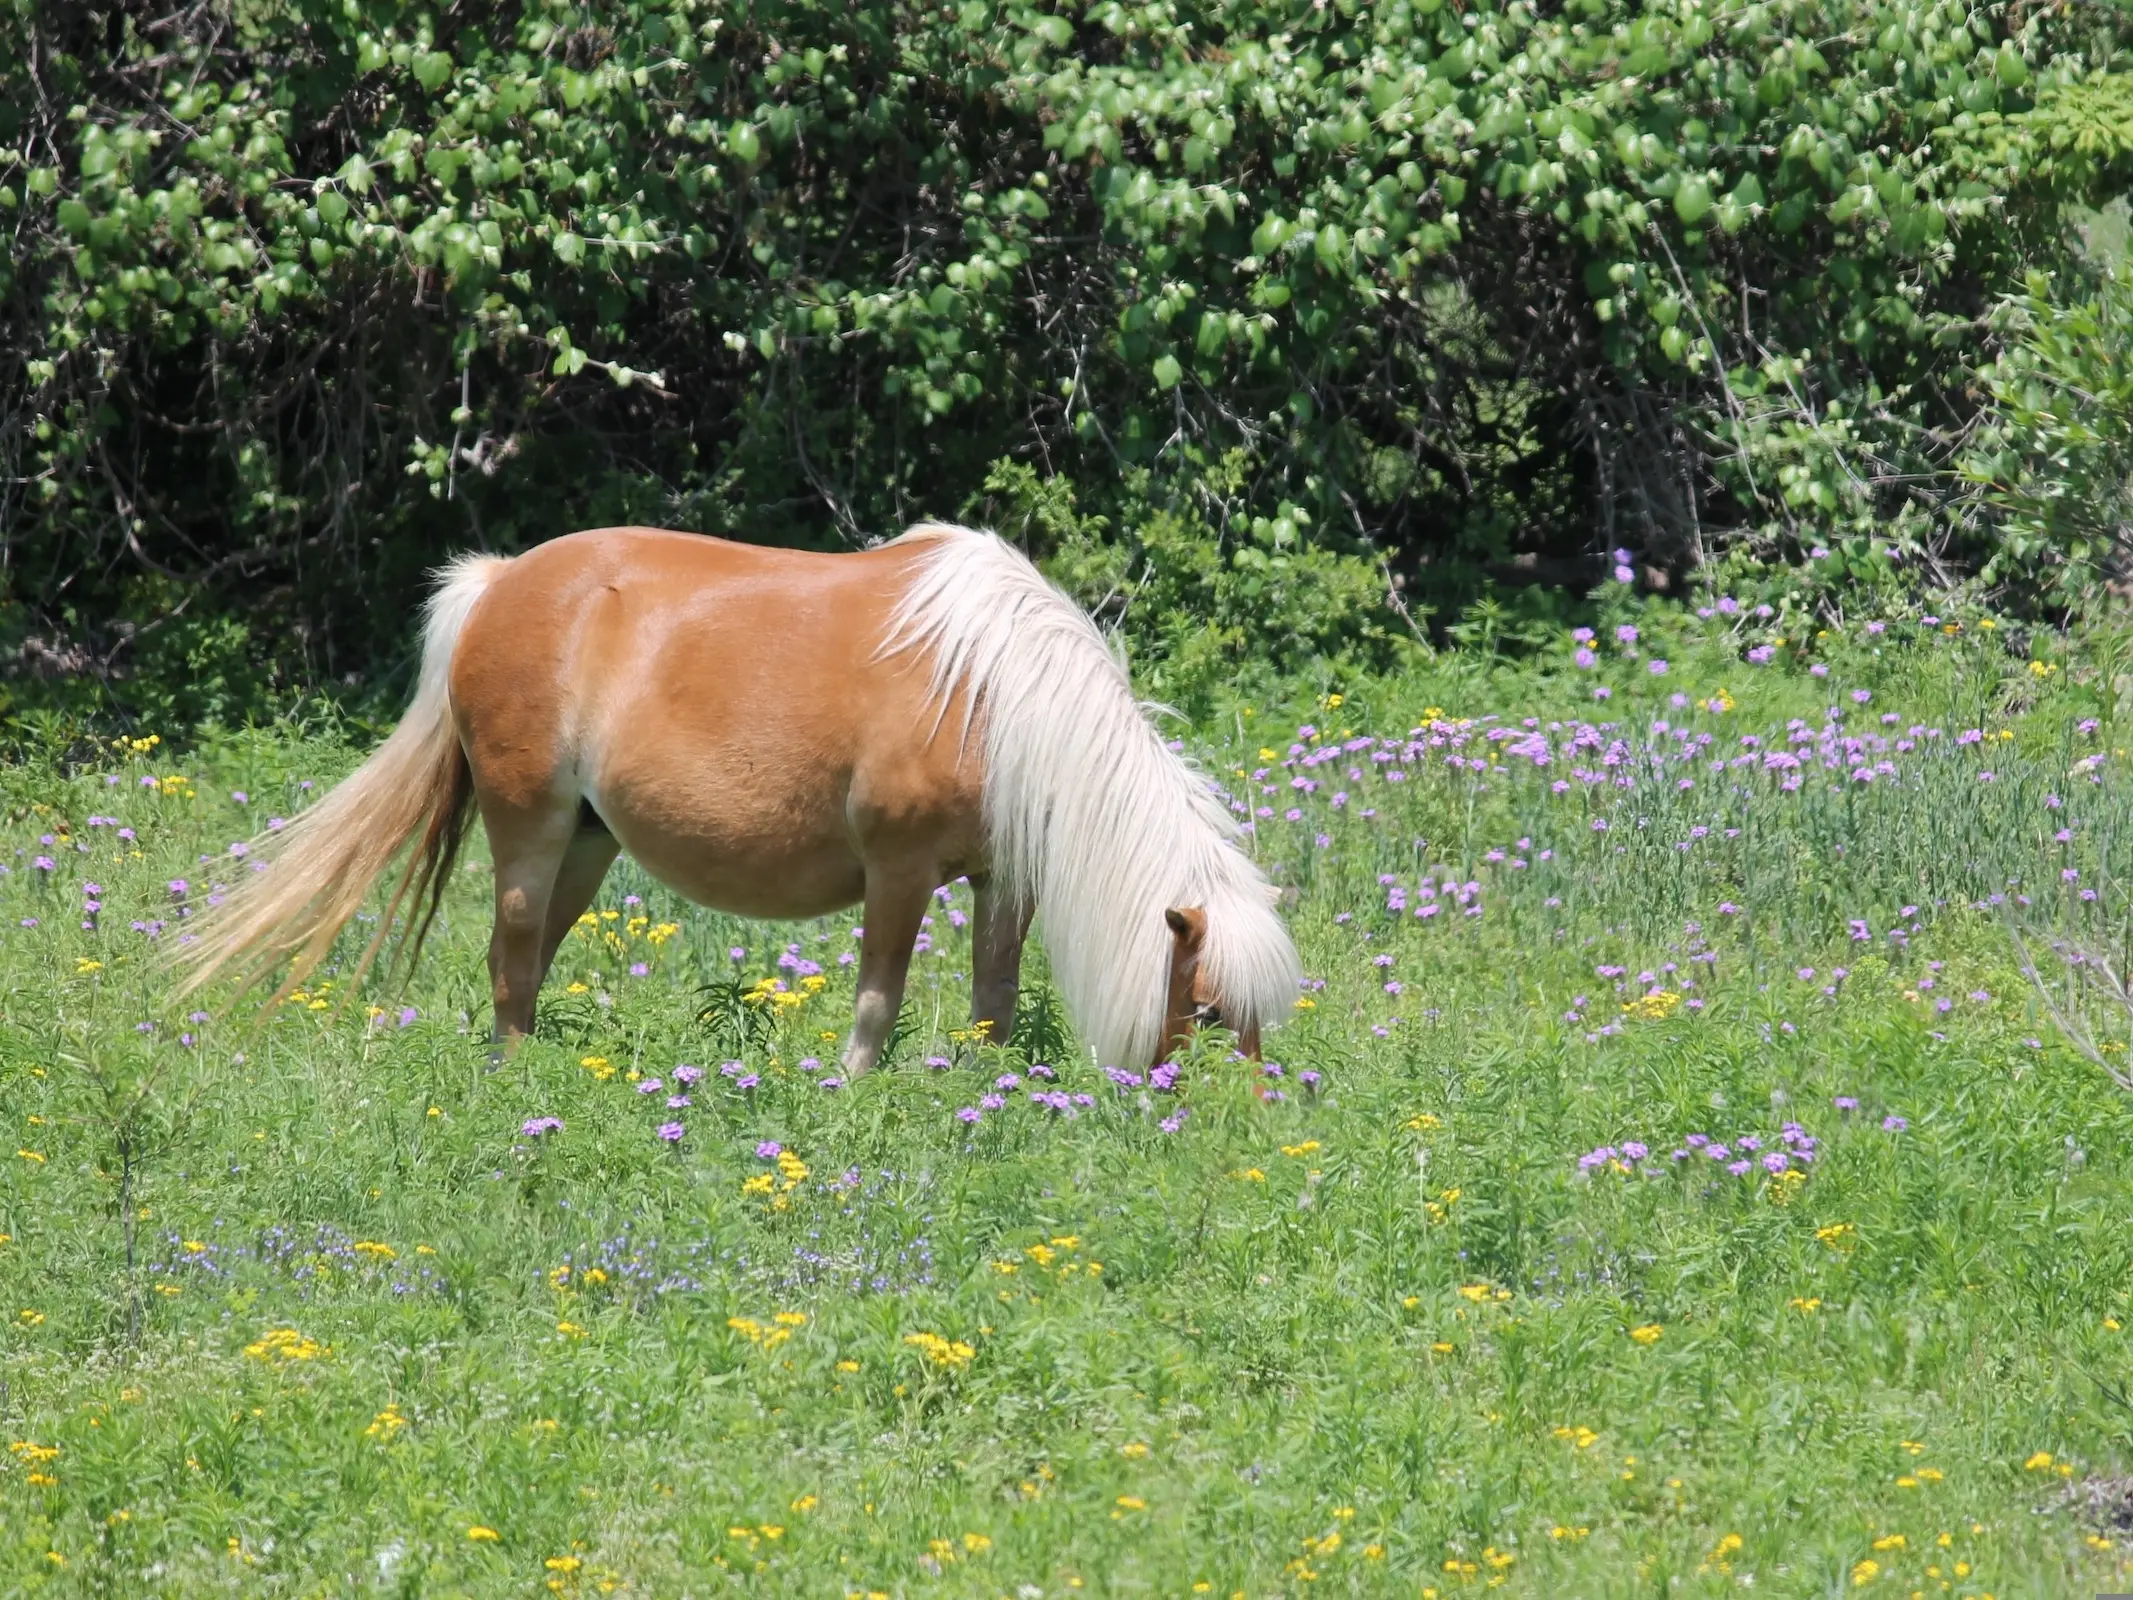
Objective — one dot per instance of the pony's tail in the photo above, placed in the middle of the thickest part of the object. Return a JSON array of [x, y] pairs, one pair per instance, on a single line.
[[322, 865]]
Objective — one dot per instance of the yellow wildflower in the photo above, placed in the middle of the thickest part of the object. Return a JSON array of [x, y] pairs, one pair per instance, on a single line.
[[282, 1345], [386, 1423], [953, 1354]]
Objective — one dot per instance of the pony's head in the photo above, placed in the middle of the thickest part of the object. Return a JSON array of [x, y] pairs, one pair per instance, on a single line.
[[1224, 976]]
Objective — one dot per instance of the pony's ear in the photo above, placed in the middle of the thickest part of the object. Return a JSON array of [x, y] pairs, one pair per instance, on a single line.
[[1188, 923]]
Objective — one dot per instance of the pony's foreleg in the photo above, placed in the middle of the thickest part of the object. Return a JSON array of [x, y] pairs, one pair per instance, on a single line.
[[895, 902], [996, 936]]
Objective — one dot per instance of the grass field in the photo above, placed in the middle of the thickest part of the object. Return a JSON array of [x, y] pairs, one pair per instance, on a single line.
[[1668, 1184]]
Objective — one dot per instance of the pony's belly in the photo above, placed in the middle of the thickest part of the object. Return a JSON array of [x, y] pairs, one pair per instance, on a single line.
[[750, 877]]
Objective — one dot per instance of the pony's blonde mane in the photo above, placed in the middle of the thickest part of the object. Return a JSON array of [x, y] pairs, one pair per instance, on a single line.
[[1087, 812]]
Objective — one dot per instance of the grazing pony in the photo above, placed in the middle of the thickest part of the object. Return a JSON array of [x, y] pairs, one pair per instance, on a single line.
[[781, 733]]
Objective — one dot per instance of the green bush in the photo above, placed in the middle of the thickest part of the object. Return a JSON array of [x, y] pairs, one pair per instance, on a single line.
[[1200, 611], [302, 296], [2056, 461]]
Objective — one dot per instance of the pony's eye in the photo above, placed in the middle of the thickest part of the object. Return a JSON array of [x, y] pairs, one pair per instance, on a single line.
[[1207, 1014]]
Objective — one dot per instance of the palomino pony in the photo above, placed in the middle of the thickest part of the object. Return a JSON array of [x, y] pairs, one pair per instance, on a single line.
[[778, 733]]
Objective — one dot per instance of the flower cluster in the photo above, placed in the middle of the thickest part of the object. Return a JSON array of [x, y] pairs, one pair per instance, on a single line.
[[1746, 1154], [280, 1346], [768, 1335], [949, 1354]]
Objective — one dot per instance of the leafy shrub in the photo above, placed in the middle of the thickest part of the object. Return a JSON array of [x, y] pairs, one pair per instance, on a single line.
[[1199, 608], [302, 297], [2056, 461]]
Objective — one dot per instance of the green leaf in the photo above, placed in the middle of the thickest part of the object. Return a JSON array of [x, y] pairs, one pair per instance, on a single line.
[[432, 69], [1692, 200], [1167, 372]]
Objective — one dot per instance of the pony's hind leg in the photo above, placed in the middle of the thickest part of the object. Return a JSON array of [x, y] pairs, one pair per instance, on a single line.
[[591, 851], [530, 847], [896, 900], [997, 933]]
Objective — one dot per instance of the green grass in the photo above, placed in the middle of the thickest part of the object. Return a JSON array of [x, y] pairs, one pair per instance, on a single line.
[[1384, 1337]]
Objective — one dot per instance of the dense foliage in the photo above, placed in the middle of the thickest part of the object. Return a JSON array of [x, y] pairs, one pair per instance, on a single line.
[[302, 294], [2056, 456]]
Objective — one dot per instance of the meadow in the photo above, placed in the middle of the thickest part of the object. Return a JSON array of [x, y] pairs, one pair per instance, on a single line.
[[1669, 1183]]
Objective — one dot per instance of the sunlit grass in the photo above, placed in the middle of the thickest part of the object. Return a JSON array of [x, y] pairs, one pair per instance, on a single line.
[[329, 1305]]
